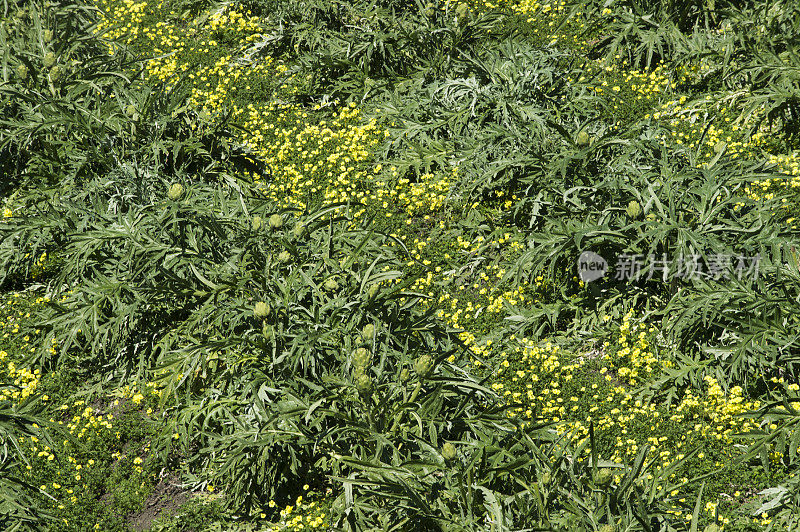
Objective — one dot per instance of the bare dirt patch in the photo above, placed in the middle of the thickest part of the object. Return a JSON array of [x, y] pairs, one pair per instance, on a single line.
[[166, 498]]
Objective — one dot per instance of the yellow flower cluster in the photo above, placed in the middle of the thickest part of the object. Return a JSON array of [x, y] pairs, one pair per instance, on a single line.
[[307, 159], [16, 384], [634, 361], [549, 21], [312, 154], [790, 164], [234, 21], [122, 20], [540, 380], [691, 126], [137, 392], [711, 125], [621, 82], [174, 44], [422, 197], [302, 515], [487, 292], [706, 126], [88, 422], [66, 465], [215, 86]]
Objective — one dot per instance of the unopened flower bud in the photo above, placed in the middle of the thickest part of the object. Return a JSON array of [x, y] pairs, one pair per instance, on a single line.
[[261, 310], [257, 223], [299, 229], [175, 192], [22, 71], [373, 290], [363, 384], [55, 73], [405, 375], [634, 209], [276, 221], [423, 366], [449, 451], [47, 35], [361, 359], [367, 333], [284, 256], [49, 59], [582, 139], [331, 285], [604, 477]]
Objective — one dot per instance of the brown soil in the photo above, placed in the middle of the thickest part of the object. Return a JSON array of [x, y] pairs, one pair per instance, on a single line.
[[166, 498]]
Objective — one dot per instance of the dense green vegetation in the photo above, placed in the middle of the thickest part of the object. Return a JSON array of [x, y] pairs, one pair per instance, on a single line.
[[277, 265]]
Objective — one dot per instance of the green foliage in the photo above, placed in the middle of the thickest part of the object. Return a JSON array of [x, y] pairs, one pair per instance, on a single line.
[[310, 346], [19, 508]]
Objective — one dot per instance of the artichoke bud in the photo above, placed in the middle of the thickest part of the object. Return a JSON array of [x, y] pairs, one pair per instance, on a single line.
[[604, 477], [284, 256], [257, 223], [634, 209], [582, 139], [55, 73], [373, 290], [47, 35], [22, 71], [299, 229], [363, 384], [546, 478], [405, 375], [330, 285], [449, 451], [607, 528], [175, 192], [361, 359], [275, 221], [462, 10], [49, 59], [423, 366], [368, 333], [261, 310], [651, 217]]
